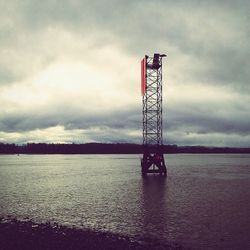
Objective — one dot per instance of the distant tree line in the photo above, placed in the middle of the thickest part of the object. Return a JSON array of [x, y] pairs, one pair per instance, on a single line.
[[105, 148]]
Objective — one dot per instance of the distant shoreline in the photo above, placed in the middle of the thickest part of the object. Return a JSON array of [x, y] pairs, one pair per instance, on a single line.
[[111, 148], [19, 235]]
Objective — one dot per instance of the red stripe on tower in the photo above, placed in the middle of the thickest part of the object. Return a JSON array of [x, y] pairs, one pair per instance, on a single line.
[[143, 76]]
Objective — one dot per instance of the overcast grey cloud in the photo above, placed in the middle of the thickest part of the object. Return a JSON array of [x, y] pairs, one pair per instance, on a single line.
[[69, 70]]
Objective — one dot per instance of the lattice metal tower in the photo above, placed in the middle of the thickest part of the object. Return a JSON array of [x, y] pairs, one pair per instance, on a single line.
[[151, 88]]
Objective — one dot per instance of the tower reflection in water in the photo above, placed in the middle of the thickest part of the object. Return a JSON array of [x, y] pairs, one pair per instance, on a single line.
[[154, 206]]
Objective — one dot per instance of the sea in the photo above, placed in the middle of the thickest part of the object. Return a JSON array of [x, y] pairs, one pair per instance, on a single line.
[[203, 203]]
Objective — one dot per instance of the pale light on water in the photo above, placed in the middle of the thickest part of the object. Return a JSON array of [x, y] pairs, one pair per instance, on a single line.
[[204, 203]]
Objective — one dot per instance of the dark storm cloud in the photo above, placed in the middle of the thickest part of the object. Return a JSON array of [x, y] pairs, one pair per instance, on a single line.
[[106, 127], [210, 119], [199, 120], [72, 119]]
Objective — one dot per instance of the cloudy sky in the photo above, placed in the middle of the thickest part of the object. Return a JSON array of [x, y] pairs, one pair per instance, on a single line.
[[70, 70]]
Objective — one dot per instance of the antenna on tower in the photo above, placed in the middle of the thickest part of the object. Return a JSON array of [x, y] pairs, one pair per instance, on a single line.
[[151, 90]]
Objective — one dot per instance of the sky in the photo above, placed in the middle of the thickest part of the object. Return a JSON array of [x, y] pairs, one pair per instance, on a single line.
[[70, 70]]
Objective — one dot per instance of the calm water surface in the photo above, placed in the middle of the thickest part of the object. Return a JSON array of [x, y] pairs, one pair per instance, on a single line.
[[204, 203]]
